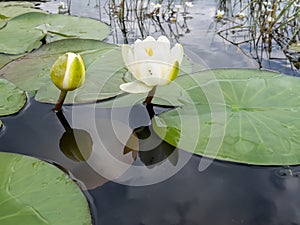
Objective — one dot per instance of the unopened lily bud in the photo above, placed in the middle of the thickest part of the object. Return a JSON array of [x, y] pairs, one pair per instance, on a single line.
[[68, 72]]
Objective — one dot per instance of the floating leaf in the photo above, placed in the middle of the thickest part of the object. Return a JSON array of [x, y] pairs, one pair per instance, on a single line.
[[5, 59], [104, 65], [260, 111], [38, 193], [12, 99], [25, 32], [11, 9]]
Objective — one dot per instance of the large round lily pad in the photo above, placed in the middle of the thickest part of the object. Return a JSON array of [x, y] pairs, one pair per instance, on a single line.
[[26, 32], [12, 99], [260, 111], [36, 193]]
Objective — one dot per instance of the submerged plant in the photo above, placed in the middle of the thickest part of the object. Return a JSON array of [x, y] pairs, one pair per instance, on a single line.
[[68, 74], [151, 62]]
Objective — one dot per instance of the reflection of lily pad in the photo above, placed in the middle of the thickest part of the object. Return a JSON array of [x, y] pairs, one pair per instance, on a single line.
[[38, 193], [103, 62], [261, 117], [25, 32], [12, 99]]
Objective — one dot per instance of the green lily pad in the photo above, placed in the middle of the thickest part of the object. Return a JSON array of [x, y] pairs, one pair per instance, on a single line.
[[104, 65], [253, 115], [5, 59], [14, 8], [38, 193], [12, 99], [26, 32], [1, 124]]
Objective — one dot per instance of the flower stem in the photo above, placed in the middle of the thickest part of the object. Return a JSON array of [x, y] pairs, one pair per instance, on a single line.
[[150, 96], [60, 101]]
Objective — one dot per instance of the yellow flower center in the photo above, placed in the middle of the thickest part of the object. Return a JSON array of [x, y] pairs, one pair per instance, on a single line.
[[149, 51]]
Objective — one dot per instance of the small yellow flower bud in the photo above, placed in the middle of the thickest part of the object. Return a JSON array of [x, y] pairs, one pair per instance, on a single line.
[[68, 72]]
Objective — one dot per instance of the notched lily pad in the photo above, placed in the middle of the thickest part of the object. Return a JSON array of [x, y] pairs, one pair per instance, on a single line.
[[12, 99], [25, 32], [254, 115], [39, 193]]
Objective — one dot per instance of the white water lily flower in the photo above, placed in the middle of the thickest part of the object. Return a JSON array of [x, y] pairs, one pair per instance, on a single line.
[[152, 62], [68, 72], [189, 4], [177, 7], [220, 14], [156, 5], [240, 15]]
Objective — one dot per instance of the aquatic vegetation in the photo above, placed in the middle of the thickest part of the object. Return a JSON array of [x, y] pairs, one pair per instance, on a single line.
[[261, 110], [12, 98], [68, 74], [258, 27], [39, 192], [152, 63]]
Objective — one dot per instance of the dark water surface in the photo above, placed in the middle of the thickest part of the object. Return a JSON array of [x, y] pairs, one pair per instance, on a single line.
[[223, 194]]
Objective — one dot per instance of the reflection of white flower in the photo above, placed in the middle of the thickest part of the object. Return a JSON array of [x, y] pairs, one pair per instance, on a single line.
[[189, 4], [156, 5], [240, 15], [220, 14], [152, 62]]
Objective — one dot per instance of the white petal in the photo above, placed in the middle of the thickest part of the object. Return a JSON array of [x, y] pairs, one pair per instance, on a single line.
[[161, 50], [127, 54], [150, 69], [149, 38], [163, 39], [129, 60], [154, 81], [176, 54], [135, 87]]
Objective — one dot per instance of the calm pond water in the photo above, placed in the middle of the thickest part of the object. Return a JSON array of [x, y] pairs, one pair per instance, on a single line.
[[157, 190]]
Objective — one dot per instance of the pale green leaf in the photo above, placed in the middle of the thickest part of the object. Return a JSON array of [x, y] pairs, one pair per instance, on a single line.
[[252, 114], [104, 70], [14, 8], [36, 193], [25, 32], [12, 99]]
